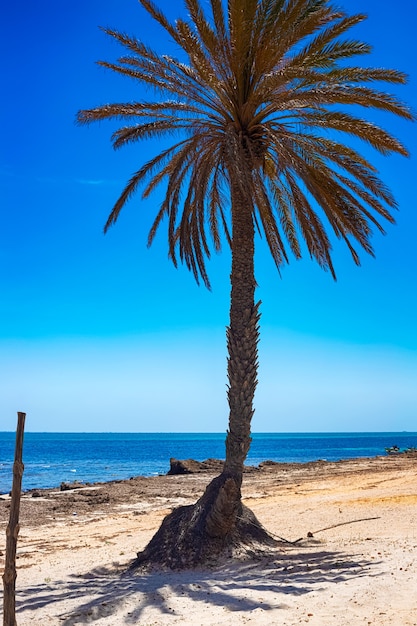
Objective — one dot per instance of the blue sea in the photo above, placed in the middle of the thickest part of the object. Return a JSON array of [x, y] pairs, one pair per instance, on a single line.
[[52, 458]]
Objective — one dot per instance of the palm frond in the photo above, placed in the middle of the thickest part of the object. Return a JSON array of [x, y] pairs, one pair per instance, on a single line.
[[264, 99]]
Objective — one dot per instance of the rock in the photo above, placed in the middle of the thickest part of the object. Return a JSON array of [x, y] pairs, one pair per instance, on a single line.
[[189, 466], [69, 486], [210, 466]]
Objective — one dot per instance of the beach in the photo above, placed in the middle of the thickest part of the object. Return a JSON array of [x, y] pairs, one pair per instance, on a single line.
[[347, 555]]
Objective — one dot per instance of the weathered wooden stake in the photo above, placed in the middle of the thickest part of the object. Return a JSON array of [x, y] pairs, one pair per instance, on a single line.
[[9, 576]]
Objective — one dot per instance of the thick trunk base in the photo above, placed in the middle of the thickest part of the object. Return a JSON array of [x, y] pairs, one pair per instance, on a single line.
[[216, 526]]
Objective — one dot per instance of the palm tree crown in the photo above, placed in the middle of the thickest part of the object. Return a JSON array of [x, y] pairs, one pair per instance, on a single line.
[[253, 106]]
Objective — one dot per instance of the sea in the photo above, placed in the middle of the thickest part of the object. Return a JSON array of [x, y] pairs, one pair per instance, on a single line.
[[53, 458]]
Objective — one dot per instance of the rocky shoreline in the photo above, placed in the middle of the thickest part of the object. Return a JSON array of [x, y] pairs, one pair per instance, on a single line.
[[183, 484]]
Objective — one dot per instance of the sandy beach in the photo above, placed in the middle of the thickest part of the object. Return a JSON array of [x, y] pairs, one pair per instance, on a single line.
[[355, 562]]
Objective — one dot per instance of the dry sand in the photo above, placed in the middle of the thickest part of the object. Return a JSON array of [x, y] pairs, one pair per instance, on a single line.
[[74, 547]]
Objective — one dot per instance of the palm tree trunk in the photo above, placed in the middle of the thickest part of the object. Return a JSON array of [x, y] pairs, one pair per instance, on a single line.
[[242, 339], [195, 534], [226, 508]]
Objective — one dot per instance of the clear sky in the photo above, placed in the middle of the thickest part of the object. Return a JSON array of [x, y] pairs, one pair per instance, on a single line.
[[98, 333]]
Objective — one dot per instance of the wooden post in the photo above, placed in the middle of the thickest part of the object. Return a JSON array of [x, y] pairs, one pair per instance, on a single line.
[[9, 576]]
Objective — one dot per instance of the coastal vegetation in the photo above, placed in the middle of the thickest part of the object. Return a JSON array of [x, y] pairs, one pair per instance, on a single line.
[[266, 112]]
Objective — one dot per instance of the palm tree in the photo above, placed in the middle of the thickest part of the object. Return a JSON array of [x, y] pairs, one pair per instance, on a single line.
[[262, 101]]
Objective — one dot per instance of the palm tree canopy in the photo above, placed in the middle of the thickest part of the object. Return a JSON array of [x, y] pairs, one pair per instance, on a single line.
[[264, 83]]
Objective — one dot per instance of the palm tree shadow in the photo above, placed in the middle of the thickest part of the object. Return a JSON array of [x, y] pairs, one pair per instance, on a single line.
[[102, 592]]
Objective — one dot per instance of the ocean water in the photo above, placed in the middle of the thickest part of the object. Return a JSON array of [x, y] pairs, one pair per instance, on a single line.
[[51, 458]]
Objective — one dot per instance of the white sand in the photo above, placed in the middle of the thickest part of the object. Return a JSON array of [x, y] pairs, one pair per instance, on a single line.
[[360, 573]]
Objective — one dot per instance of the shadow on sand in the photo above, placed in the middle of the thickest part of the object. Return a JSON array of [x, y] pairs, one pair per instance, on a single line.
[[103, 592]]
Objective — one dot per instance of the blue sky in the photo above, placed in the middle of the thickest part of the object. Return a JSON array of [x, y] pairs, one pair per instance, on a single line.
[[98, 333]]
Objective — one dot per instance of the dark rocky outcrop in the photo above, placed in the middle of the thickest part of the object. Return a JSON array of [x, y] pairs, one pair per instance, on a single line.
[[70, 486], [189, 466]]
